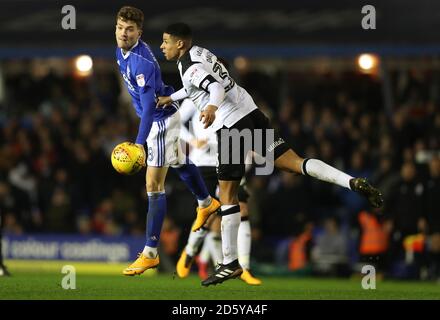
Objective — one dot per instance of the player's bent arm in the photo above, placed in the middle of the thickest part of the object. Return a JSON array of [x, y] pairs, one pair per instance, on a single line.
[[145, 79], [203, 80], [216, 97], [216, 94], [148, 106]]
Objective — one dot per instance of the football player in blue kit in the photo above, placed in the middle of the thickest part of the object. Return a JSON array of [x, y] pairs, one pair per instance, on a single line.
[[159, 128]]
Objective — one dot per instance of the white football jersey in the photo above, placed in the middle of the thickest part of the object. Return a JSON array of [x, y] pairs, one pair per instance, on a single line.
[[198, 69]]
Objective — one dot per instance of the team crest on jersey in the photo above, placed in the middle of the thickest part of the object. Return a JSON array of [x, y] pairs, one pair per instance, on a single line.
[[140, 79], [192, 73]]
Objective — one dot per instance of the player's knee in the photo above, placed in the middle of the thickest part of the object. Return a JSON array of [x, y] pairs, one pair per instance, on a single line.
[[154, 186]]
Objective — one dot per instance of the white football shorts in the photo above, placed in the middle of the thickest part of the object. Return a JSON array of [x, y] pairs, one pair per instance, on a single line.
[[163, 143]]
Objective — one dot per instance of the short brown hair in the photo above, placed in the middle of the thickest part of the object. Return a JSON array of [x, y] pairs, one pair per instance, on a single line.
[[131, 14]]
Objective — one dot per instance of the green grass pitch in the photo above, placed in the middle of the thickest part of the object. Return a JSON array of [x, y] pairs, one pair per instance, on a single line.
[[42, 280]]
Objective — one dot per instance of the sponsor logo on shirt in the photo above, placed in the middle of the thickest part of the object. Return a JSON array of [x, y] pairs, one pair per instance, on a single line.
[[129, 85], [275, 144]]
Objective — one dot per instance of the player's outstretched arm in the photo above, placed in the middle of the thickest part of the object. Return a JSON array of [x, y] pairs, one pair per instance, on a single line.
[[176, 96]]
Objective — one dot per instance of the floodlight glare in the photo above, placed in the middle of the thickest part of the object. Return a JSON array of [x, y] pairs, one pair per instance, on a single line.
[[84, 64], [367, 61]]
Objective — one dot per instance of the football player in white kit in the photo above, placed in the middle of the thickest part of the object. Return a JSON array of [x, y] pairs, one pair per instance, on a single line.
[[203, 153], [232, 113]]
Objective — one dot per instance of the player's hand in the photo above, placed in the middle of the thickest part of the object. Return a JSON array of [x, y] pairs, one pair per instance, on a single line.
[[207, 116], [198, 143], [141, 160], [163, 102]]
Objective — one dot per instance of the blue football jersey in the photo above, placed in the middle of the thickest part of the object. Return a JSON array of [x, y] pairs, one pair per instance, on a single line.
[[141, 72]]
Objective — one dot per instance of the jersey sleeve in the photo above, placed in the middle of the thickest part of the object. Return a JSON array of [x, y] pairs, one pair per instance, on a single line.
[[145, 80], [198, 76], [145, 76]]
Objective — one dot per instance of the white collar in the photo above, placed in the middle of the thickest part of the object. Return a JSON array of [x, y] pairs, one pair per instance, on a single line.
[[125, 56]]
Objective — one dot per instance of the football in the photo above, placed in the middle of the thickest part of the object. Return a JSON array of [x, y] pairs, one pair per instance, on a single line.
[[127, 158]]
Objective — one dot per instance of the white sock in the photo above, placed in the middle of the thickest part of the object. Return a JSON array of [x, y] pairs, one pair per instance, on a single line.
[[205, 254], [229, 227], [194, 241], [214, 243], [205, 202], [150, 252], [322, 171], [244, 244]]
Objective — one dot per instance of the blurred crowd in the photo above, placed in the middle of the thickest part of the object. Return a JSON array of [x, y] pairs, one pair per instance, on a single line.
[[57, 133]]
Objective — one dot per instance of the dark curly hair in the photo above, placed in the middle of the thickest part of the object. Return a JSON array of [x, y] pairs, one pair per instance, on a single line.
[[128, 13]]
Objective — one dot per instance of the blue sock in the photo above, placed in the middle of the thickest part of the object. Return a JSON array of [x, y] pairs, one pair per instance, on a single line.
[[190, 174], [157, 207]]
